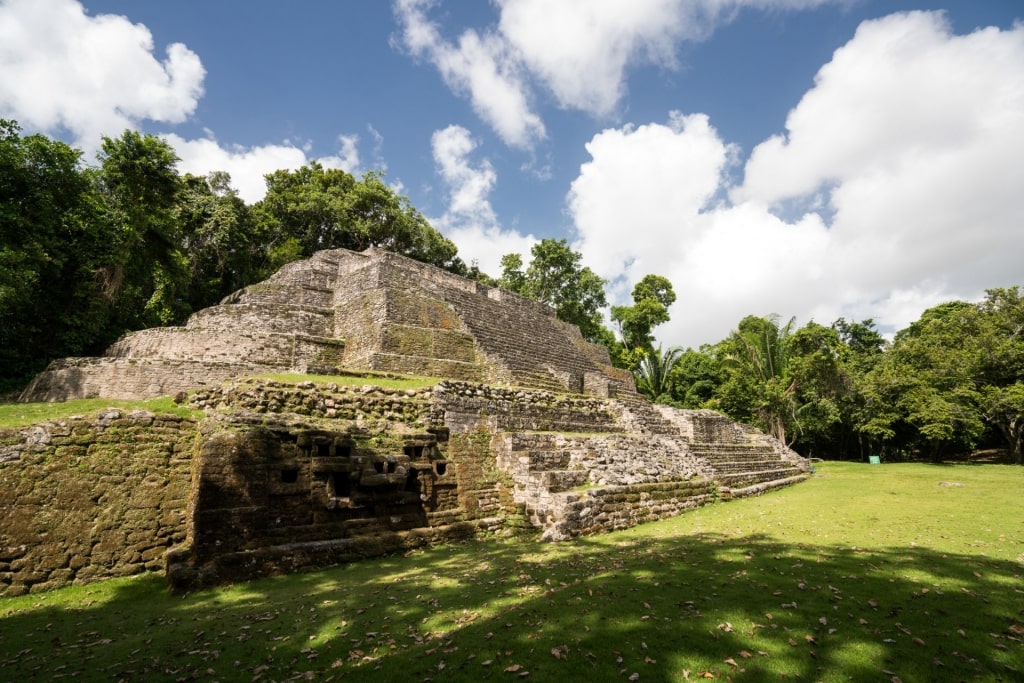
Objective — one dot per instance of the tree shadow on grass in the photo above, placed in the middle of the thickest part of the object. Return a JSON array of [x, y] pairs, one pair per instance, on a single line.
[[620, 607]]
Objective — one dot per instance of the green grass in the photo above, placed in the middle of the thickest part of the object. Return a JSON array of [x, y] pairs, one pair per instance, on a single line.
[[384, 380], [13, 415], [862, 573]]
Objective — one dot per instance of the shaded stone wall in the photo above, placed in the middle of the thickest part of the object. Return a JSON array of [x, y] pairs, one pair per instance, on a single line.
[[83, 500], [361, 471]]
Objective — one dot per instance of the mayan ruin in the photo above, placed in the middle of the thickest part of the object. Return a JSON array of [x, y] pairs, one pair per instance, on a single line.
[[528, 426]]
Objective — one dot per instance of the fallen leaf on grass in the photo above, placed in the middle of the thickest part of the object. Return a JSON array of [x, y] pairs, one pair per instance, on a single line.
[[560, 652], [732, 662]]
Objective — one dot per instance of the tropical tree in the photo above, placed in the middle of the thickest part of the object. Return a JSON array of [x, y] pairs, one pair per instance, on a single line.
[[1001, 372], [923, 395], [55, 240], [760, 384], [654, 373], [139, 181], [695, 378], [862, 347], [557, 277], [652, 297], [817, 360], [1004, 408], [314, 208], [222, 248]]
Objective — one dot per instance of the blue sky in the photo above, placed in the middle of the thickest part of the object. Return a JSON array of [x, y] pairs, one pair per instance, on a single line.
[[810, 158]]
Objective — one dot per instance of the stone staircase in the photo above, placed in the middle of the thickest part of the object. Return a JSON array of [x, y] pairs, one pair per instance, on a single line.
[[282, 323], [643, 417], [743, 460], [535, 349], [740, 466]]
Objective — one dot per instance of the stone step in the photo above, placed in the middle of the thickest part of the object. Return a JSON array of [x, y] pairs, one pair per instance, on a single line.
[[741, 479], [760, 466]]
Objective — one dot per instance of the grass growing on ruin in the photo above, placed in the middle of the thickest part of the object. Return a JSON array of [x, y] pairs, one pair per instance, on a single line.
[[13, 415], [886, 573], [383, 380]]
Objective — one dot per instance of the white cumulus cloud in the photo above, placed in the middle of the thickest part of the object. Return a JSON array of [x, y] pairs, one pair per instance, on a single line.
[[478, 66], [470, 221], [579, 51], [62, 70], [904, 158], [248, 165]]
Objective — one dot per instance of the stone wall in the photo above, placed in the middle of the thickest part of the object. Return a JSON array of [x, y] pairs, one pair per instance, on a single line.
[[466, 406], [295, 476], [85, 499], [573, 485], [621, 507], [283, 476], [127, 378]]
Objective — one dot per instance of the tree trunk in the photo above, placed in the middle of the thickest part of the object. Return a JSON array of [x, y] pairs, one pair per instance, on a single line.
[[1013, 432]]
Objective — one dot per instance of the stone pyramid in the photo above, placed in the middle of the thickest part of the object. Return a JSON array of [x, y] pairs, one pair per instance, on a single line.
[[345, 310]]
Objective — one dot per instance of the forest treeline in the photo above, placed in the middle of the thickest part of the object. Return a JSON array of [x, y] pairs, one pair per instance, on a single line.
[[950, 383], [91, 251]]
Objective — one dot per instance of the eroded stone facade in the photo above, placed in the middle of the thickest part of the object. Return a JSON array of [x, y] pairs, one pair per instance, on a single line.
[[91, 498]]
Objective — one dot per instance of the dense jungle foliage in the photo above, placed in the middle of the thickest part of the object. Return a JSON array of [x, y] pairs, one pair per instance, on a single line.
[[89, 252]]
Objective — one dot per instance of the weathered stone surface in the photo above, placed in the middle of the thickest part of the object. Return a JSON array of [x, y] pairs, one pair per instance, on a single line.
[[64, 518]]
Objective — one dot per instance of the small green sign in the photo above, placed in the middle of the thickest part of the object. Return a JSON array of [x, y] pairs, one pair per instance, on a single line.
[[874, 460]]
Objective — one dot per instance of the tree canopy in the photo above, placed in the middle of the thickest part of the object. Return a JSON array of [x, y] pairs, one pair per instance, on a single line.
[[314, 208], [951, 382], [557, 277], [90, 252]]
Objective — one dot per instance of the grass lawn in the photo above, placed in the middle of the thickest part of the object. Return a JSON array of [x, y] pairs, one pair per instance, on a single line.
[[863, 573], [15, 415]]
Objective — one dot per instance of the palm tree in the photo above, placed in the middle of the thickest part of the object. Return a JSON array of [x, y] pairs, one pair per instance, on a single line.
[[759, 351], [652, 374]]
